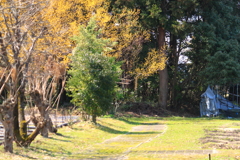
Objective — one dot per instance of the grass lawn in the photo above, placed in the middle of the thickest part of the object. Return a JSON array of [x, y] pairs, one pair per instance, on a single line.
[[83, 140], [185, 134]]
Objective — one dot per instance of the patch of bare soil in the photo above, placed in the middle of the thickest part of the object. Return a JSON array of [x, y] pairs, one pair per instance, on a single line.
[[222, 138]]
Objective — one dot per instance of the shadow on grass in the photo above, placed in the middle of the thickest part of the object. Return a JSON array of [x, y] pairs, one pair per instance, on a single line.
[[42, 151], [24, 156], [48, 152], [114, 131], [61, 135], [108, 124], [59, 139], [110, 130], [136, 123]]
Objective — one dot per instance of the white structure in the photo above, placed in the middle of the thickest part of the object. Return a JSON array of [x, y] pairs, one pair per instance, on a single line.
[[213, 104]]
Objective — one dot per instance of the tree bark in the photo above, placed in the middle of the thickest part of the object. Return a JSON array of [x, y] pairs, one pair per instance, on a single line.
[[42, 106], [6, 117], [173, 61], [34, 134], [94, 118], [20, 126], [163, 74], [8, 135], [48, 126], [20, 123]]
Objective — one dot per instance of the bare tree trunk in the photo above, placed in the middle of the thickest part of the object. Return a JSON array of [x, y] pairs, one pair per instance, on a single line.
[[48, 126], [6, 118], [42, 106], [17, 135], [34, 134], [39, 123], [20, 123], [17, 43], [163, 74], [8, 135]]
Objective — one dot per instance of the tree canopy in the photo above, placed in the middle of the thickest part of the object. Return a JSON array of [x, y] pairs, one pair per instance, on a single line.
[[93, 75]]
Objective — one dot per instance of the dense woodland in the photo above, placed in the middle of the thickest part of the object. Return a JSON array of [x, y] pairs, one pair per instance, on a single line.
[[109, 53]]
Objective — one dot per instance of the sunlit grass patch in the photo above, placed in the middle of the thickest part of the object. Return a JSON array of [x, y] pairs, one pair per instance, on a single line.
[[108, 151], [181, 134], [71, 140], [145, 156], [184, 134], [113, 137]]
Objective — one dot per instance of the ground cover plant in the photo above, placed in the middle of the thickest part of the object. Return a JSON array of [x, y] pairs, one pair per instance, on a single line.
[[87, 140]]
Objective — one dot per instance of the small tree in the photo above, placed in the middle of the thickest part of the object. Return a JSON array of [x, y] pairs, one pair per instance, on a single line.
[[93, 74]]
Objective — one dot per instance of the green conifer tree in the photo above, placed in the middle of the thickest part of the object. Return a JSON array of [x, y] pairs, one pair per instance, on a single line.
[[215, 45], [93, 75], [169, 22]]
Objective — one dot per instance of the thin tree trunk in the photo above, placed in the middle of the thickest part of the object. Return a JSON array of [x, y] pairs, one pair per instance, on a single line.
[[163, 88], [163, 74], [94, 118], [21, 106], [135, 84], [20, 124], [16, 128], [174, 62], [42, 107]]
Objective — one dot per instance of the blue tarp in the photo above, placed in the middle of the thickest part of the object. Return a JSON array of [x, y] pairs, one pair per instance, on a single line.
[[212, 103]]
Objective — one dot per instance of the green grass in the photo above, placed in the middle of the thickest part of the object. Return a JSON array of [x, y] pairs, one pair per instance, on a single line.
[[184, 134], [85, 140], [76, 140]]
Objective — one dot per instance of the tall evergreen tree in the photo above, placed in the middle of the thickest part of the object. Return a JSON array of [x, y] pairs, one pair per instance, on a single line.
[[215, 46], [207, 32], [213, 50], [168, 23]]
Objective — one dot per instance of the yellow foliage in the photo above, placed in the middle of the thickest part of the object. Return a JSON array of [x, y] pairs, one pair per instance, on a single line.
[[26, 38], [154, 62], [21, 26], [62, 20], [124, 29], [65, 17]]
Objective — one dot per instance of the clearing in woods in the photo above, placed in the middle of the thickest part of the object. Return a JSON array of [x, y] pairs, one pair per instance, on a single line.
[[139, 138]]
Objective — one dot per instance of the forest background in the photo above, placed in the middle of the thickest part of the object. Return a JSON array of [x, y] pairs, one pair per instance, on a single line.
[[170, 51]]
